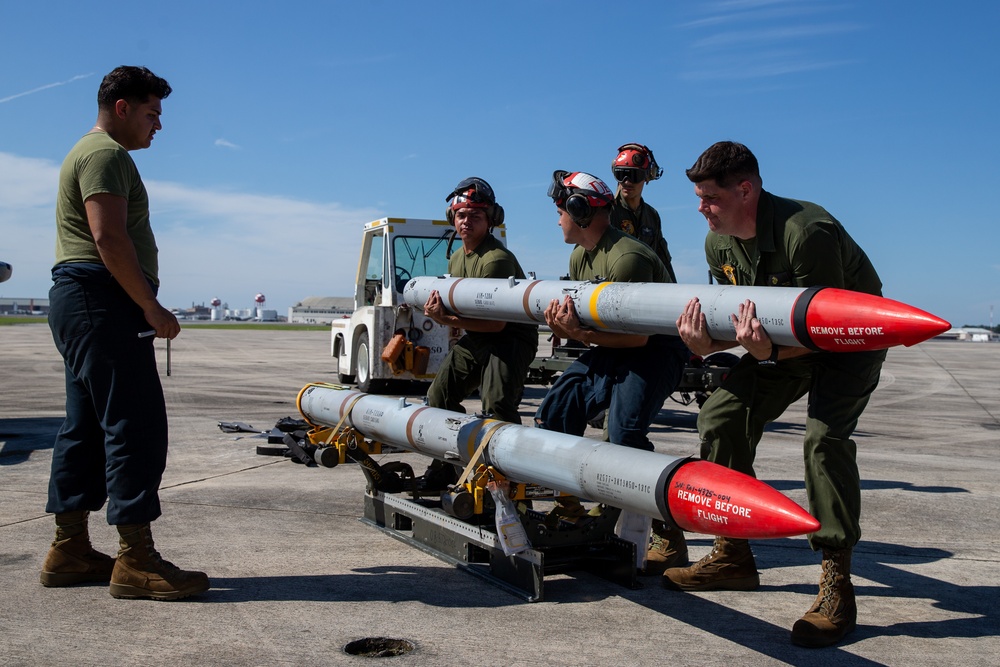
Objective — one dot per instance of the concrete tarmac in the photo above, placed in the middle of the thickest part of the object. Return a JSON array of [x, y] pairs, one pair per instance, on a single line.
[[296, 576]]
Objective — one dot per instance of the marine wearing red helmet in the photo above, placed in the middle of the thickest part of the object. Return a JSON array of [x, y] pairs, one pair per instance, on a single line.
[[633, 167], [625, 376], [474, 192], [492, 356], [635, 163], [579, 193]]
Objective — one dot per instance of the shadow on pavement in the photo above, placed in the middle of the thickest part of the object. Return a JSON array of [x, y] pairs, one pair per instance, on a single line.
[[873, 561], [20, 437], [435, 586], [870, 485]]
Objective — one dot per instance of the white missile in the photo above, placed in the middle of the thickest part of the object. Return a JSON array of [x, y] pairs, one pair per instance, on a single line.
[[696, 495], [818, 318]]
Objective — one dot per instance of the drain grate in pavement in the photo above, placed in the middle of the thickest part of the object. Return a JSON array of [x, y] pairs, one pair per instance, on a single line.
[[379, 647]]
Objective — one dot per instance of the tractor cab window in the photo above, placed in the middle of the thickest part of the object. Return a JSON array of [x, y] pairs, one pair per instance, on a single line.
[[418, 256], [374, 270]]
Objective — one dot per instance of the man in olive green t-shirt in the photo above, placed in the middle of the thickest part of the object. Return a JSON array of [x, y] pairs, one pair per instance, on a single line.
[[112, 446], [491, 356], [628, 375]]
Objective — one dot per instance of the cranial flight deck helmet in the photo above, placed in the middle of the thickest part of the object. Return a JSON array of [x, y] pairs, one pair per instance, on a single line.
[[474, 192], [579, 194], [636, 163]]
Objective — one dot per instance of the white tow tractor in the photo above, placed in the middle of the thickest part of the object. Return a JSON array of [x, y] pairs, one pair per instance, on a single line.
[[393, 250]]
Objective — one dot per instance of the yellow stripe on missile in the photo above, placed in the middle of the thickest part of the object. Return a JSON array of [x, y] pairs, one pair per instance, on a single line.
[[470, 444], [593, 304], [475, 444]]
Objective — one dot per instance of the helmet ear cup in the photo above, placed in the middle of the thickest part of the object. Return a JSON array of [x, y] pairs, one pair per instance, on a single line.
[[579, 209]]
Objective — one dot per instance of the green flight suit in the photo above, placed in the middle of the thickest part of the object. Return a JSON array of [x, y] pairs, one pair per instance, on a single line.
[[643, 224], [495, 363], [798, 244]]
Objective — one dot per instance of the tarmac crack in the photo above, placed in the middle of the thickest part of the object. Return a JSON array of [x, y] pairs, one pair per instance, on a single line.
[[257, 509], [224, 474]]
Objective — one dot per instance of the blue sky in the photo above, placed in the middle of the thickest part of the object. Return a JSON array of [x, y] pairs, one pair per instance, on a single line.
[[291, 124]]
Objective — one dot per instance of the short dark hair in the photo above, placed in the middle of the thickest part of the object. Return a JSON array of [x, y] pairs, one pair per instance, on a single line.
[[133, 84], [727, 162]]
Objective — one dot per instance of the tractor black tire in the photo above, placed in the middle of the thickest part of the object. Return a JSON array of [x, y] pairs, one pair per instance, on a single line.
[[364, 359]]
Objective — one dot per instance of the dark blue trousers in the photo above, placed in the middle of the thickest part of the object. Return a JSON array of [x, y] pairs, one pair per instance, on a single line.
[[113, 443], [630, 383]]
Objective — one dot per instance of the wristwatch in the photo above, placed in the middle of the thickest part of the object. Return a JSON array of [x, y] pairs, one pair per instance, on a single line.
[[771, 360]]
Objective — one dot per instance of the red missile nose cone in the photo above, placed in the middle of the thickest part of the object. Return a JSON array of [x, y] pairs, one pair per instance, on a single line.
[[840, 320], [708, 498]]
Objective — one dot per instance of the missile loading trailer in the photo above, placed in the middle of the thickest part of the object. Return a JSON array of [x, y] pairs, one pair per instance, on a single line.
[[486, 523]]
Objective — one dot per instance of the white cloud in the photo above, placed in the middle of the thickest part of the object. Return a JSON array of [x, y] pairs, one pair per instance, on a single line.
[[772, 35], [763, 39], [226, 144], [27, 210], [742, 11], [45, 87], [228, 244], [761, 64], [26, 182]]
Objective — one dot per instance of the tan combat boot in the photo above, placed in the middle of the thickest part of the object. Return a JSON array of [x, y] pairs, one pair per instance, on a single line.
[[667, 549], [71, 559], [834, 613], [729, 567], [140, 572]]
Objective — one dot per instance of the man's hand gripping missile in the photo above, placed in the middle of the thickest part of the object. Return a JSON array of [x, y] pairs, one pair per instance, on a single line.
[[692, 327]]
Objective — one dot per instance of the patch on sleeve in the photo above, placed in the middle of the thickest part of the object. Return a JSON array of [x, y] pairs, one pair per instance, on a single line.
[[783, 279]]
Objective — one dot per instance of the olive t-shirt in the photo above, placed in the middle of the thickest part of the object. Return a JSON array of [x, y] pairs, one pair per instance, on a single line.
[[98, 164]]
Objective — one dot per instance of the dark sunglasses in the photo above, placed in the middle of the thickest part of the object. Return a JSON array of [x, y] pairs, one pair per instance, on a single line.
[[623, 174], [557, 191]]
